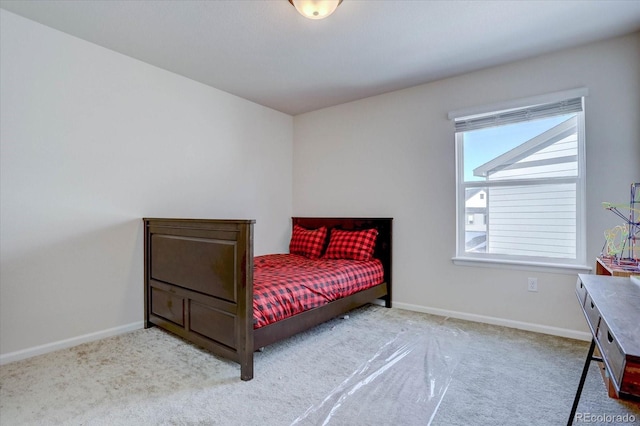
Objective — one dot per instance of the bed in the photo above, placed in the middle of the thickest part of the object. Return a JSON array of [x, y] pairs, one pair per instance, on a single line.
[[199, 281]]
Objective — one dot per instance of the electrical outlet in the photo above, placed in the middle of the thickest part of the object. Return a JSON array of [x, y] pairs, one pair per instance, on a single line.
[[532, 284]]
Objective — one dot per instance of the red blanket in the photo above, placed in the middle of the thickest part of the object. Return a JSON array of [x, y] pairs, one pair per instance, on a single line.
[[287, 284]]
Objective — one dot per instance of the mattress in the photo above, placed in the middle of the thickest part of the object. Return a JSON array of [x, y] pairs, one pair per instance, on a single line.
[[287, 284]]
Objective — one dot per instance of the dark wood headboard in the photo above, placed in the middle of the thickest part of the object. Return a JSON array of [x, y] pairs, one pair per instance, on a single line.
[[383, 250]]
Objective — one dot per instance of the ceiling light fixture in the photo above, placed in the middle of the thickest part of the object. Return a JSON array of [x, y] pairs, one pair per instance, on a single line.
[[315, 9]]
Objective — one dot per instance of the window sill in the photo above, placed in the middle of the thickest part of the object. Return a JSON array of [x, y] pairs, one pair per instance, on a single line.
[[524, 266]]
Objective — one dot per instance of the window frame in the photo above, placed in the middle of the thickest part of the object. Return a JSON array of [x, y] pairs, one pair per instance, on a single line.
[[549, 264]]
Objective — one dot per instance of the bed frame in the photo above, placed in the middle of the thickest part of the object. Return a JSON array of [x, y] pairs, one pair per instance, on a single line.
[[198, 283]]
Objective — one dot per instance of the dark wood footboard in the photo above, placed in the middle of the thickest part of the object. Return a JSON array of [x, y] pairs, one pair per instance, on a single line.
[[199, 283]]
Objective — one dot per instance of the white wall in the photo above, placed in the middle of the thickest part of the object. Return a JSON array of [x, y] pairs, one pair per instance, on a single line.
[[91, 142], [393, 155]]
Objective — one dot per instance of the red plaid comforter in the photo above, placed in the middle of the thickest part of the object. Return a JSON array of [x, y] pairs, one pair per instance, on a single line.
[[287, 284]]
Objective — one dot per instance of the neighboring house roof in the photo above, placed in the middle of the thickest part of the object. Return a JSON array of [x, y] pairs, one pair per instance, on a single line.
[[478, 243], [471, 192], [526, 149]]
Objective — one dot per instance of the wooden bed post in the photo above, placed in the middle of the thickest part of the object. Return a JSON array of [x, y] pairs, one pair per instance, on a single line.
[[245, 302], [147, 324]]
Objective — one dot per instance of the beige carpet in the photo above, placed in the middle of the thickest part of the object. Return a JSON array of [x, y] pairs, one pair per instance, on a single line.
[[379, 366]]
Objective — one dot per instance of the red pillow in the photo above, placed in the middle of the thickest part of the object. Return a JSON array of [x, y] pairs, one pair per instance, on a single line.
[[356, 245], [307, 242]]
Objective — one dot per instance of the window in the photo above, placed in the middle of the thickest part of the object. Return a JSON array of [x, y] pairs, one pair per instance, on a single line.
[[520, 176]]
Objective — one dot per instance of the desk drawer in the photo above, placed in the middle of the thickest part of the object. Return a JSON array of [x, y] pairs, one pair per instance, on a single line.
[[581, 292], [592, 313], [611, 352]]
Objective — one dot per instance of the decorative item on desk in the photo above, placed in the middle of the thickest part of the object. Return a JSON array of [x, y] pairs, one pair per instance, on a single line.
[[624, 238]]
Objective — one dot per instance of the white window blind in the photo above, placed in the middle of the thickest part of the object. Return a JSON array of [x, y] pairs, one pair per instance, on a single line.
[[501, 118]]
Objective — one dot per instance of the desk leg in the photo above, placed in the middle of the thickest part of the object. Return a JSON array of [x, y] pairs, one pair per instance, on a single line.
[[585, 370]]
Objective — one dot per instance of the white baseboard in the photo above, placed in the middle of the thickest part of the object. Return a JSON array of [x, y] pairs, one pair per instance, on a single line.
[[538, 328], [68, 343]]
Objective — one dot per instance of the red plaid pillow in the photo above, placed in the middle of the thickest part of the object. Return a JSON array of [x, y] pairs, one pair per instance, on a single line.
[[307, 242], [356, 245]]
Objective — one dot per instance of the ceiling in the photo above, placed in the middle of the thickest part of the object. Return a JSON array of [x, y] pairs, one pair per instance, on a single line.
[[264, 51]]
